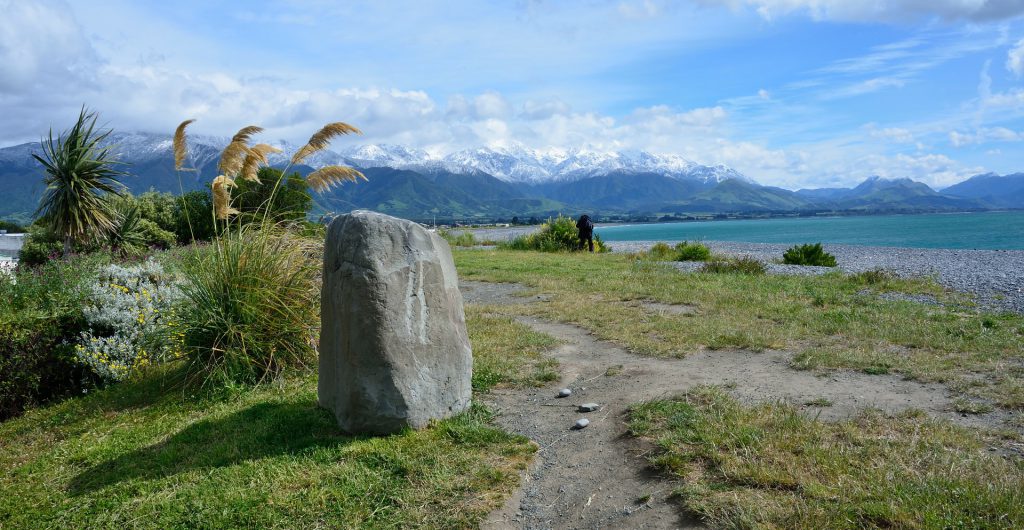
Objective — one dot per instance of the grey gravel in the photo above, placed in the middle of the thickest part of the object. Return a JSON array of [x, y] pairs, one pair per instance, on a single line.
[[565, 392], [994, 277], [581, 423], [589, 407]]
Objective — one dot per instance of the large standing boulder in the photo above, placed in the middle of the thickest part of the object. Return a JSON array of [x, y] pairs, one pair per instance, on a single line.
[[394, 351]]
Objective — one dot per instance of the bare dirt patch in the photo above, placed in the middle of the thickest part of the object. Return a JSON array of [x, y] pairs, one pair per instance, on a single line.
[[598, 476]]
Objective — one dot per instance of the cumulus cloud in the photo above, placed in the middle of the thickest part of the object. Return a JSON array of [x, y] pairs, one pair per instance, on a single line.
[[1015, 59], [885, 11]]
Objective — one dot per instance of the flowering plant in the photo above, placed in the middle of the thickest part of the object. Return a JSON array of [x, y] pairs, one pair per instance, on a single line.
[[129, 321]]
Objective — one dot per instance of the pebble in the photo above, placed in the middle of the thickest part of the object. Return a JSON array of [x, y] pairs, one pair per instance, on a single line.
[[581, 423], [565, 392], [589, 407]]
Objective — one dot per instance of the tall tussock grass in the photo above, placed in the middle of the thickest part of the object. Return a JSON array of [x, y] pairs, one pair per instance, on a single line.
[[251, 301], [252, 306]]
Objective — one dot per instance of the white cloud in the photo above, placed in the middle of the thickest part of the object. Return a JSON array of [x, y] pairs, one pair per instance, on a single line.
[[984, 135], [892, 134], [1015, 59], [881, 11]]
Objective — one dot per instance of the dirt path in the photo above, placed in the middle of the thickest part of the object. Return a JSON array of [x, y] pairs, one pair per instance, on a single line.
[[598, 477]]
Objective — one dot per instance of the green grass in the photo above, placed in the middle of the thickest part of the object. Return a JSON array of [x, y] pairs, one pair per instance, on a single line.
[[507, 353], [156, 453], [832, 321], [768, 466]]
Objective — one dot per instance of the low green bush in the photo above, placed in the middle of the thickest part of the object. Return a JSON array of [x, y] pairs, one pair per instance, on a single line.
[[686, 251], [662, 252], [741, 265], [556, 235], [808, 255]]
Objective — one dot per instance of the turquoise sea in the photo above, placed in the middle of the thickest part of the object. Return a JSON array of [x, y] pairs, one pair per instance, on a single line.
[[984, 230]]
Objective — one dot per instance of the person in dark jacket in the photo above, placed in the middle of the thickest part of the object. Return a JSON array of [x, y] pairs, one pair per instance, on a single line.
[[586, 228]]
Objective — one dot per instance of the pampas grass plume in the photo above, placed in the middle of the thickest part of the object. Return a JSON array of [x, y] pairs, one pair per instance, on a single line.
[[322, 138], [180, 147], [322, 179], [221, 188]]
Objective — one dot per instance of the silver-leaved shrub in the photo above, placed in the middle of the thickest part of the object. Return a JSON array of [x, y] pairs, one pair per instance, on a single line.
[[128, 315]]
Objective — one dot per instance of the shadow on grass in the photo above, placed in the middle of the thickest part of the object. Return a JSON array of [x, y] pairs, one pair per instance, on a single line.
[[261, 431]]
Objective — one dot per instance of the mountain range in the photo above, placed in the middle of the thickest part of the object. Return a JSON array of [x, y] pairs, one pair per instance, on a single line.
[[501, 183]]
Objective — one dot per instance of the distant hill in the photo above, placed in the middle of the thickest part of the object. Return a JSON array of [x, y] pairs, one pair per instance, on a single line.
[[877, 193], [1006, 191], [487, 183], [737, 195]]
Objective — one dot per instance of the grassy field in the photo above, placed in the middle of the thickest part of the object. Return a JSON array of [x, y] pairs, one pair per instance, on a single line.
[[154, 454], [769, 466], [831, 322]]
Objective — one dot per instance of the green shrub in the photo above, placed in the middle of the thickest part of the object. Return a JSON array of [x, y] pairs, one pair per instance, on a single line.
[[809, 255], [290, 202], [661, 252], [250, 305], [40, 318], [686, 251], [556, 235], [741, 265], [193, 217], [41, 245], [11, 227]]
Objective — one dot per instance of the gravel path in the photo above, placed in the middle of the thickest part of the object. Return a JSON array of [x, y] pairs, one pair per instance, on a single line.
[[599, 477]]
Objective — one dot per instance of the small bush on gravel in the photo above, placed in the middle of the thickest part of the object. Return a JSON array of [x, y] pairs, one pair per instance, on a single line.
[[556, 235], [686, 251], [808, 255], [661, 252], [741, 265]]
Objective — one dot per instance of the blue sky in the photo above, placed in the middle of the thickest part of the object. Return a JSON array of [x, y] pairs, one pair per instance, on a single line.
[[794, 93]]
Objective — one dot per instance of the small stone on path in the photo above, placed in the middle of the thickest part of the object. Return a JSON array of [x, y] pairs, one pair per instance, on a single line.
[[589, 407], [565, 392], [581, 423]]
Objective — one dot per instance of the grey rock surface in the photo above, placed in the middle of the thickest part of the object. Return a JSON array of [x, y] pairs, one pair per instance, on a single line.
[[589, 407], [581, 423], [394, 351], [565, 392]]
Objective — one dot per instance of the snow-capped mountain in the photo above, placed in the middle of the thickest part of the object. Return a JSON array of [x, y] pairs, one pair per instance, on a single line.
[[519, 164], [514, 164]]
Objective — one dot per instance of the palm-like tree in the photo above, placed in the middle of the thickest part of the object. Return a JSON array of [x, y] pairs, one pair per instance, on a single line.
[[79, 176]]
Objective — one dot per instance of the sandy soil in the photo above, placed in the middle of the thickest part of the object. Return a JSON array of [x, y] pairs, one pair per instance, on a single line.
[[598, 477]]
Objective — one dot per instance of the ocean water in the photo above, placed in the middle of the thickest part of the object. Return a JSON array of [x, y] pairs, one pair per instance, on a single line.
[[983, 230]]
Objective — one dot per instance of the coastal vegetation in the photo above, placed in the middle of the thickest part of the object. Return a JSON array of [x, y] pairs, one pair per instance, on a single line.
[[831, 322], [808, 254], [558, 234], [769, 466], [682, 251]]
